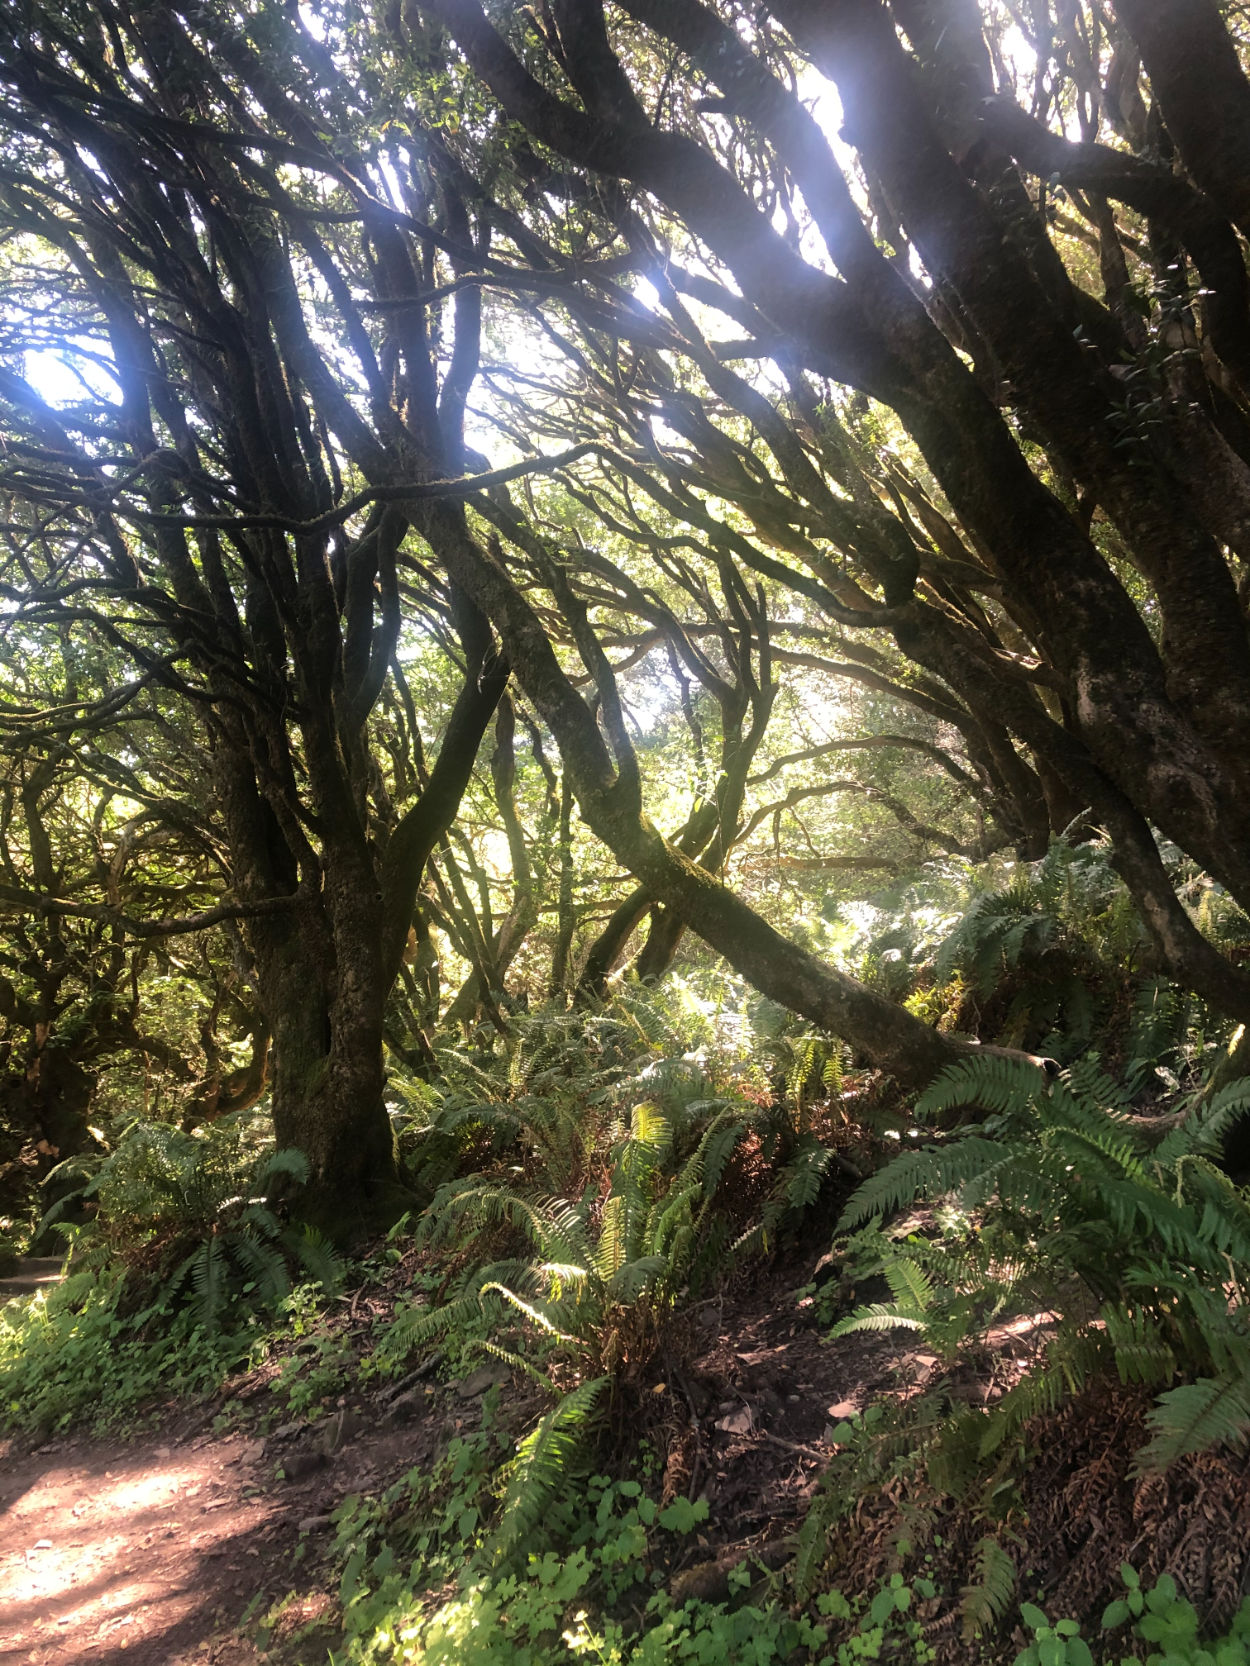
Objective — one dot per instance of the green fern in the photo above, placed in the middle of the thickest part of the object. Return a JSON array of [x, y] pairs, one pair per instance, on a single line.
[[198, 1208], [986, 1598], [1061, 1204], [544, 1462], [1196, 1416]]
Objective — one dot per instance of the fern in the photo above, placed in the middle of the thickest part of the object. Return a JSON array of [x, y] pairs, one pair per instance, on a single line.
[[988, 1595], [1001, 1086], [544, 1462], [1064, 1207], [1196, 1416], [199, 1212]]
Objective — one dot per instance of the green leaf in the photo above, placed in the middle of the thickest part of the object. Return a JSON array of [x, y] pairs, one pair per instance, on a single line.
[[881, 1607], [681, 1516]]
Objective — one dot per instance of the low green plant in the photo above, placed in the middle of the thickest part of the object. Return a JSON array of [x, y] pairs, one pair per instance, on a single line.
[[1062, 1205], [80, 1352], [1159, 1616], [1060, 1644], [199, 1213], [420, 1583]]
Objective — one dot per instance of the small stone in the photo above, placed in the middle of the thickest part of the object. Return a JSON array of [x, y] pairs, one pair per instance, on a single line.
[[300, 1464], [405, 1407], [478, 1382], [737, 1422]]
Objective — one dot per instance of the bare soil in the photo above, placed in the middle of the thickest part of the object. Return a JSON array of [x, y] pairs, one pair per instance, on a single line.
[[153, 1552]]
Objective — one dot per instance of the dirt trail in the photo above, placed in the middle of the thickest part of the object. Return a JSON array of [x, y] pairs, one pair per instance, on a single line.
[[166, 1551], [111, 1552], [154, 1552], [35, 1273]]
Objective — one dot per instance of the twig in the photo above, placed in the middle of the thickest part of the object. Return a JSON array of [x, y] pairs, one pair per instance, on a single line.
[[793, 1446]]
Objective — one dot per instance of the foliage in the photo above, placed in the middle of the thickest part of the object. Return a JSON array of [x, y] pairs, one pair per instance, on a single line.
[[199, 1215], [1124, 1245], [1159, 1616], [597, 1281], [76, 1353], [1045, 953], [420, 1582]]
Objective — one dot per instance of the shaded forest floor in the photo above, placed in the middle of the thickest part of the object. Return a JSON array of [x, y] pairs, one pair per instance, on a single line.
[[208, 1537]]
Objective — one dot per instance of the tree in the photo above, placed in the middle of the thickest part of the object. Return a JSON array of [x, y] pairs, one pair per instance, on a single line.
[[192, 514], [1066, 562], [757, 419]]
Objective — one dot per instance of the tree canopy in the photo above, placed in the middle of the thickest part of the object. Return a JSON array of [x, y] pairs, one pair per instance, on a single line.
[[481, 481]]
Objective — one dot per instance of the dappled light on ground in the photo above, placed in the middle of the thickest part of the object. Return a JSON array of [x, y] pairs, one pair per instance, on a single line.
[[141, 1551]]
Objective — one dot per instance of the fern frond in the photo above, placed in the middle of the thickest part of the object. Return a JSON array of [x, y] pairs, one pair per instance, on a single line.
[[1072, 1360], [932, 1171], [800, 1181], [630, 1281], [316, 1255], [208, 1277], [879, 1316], [417, 1326], [287, 1163], [543, 1463], [910, 1285], [986, 1598], [1214, 1411], [532, 1312], [263, 1264], [1005, 1087]]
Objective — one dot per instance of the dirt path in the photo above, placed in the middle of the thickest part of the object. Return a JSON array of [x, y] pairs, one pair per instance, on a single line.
[[35, 1273], [169, 1550], [110, 1552], [152, 1553]]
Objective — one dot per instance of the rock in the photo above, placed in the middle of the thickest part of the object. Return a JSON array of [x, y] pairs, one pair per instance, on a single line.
[[395, 1391], [479, 1381], [299, 1464], [405, 1408], [739, 1422], [340, 1428], [709, 1581]]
